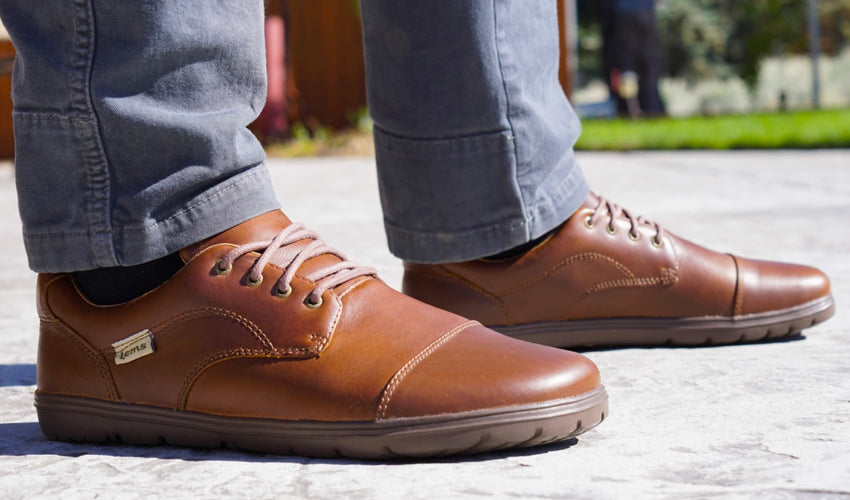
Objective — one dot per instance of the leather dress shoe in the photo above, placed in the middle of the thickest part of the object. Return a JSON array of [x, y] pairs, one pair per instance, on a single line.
[[609, 278], [269, 340]]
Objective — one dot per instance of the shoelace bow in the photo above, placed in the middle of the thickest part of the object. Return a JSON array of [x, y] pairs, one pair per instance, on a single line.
[[612, 210], [292, 259]]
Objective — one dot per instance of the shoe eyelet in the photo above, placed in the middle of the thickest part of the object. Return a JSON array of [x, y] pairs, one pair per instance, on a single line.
[[222, 271], [611, 230], [587, 223], [252, 283], [634, 236], [282, 294], [657, 243], [313, 305]]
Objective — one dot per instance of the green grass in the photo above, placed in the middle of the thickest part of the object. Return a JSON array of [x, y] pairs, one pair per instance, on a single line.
[[800, 130]]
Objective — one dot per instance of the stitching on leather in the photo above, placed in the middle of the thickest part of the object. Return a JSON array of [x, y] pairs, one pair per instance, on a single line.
[[362, 280], [739, 288], [410, 365], [90, 351], [481, 291], [326, 337], [42, 306], [669, 276], [210, 249], [240, 352], [640, 282], [271, 350], [570, 260], [93, 354], [256, 331], [159, 328], [313, 336]]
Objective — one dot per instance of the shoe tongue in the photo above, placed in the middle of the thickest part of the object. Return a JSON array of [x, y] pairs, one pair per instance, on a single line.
[[261, 228]]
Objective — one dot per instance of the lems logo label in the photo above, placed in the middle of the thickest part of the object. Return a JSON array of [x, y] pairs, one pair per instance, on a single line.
[[133, 347]]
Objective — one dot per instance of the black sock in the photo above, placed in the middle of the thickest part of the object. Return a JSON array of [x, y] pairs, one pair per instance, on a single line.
[[115, 285], [519, 250]]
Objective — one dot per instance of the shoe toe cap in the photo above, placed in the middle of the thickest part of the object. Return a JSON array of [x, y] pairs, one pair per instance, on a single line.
[[479, 369], [769, 286]]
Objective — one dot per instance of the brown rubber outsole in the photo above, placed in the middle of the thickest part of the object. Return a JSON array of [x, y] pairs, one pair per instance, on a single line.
[[72, 418], [703, 331]]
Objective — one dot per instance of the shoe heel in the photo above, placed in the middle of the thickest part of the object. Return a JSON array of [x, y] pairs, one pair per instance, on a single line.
[[68, 418]]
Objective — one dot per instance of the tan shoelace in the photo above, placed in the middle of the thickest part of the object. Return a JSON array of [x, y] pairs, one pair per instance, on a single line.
[[291, 257], [613, 211]]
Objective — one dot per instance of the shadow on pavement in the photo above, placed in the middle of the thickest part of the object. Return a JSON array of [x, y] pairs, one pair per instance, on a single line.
[[26, 439], [11, 375]]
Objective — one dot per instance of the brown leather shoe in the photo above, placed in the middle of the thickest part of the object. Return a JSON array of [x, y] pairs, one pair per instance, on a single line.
[[282, 346], [608, 277]]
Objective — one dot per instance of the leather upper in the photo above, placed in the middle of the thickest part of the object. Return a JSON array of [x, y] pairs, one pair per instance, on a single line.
[[224, 347], [615, 267]]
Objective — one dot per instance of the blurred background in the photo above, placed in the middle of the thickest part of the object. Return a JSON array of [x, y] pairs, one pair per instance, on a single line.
[[643, 74], [715, 56]]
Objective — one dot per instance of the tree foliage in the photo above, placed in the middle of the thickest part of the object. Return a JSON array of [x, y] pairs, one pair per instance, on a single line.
[[693, 38], [703, 38]]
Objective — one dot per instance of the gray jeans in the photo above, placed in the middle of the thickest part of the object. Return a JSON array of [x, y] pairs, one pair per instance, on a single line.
[[130, 124]]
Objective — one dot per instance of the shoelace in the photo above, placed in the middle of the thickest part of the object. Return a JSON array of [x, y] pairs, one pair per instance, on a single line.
[[612, 210], [292, 258]]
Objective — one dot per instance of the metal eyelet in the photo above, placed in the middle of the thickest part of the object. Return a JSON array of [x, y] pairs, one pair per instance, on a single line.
[[252, 283], [313, 305], [634, 236], [282, 294], [611, 230], [222, 271], [657, 243], [587, 223]]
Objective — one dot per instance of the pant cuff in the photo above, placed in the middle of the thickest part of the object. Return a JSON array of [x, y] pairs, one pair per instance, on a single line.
[[229, 203], [457, 199]]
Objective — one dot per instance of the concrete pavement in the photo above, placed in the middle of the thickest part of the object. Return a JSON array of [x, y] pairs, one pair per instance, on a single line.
[[745, 421]]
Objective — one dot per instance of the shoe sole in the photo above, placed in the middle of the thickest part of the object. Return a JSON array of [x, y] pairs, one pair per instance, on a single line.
[[703, 331], [71, 418]]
